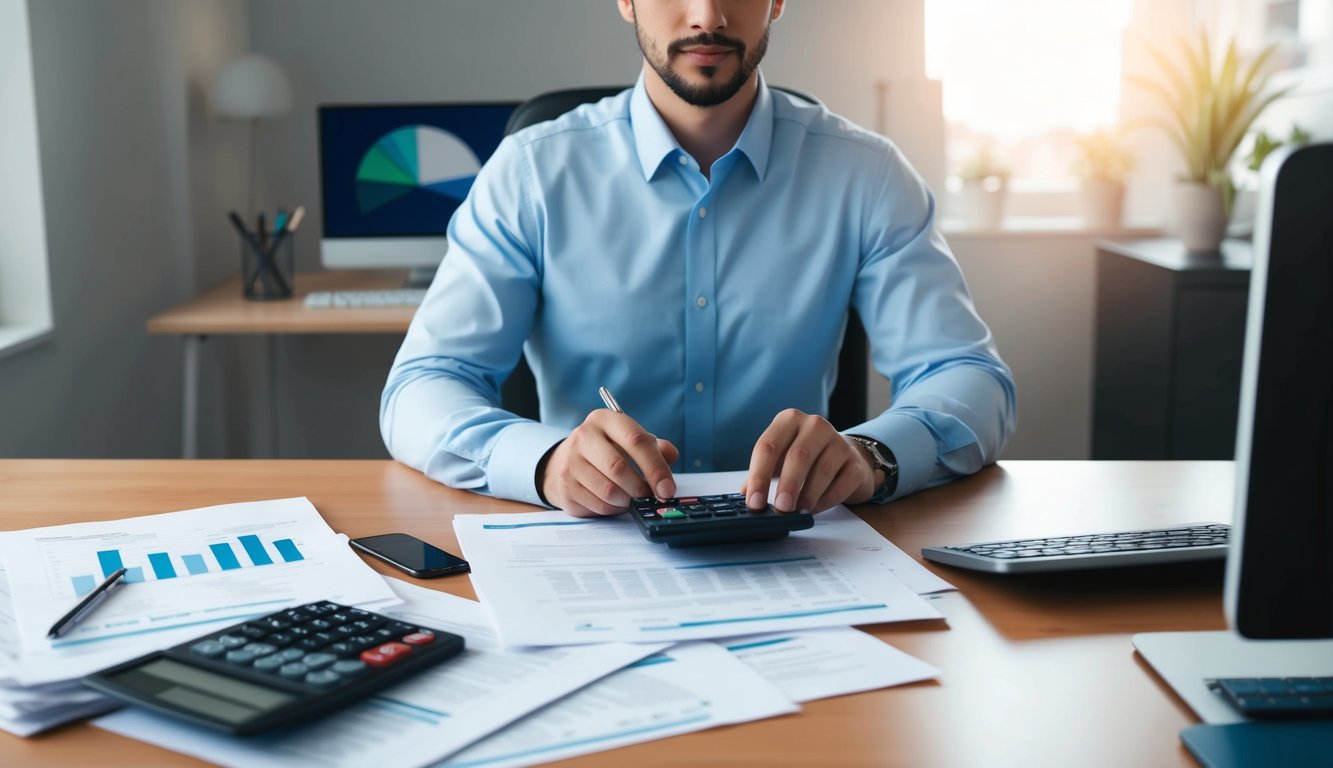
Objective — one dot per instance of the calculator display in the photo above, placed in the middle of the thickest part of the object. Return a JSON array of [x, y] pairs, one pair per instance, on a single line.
[[202, 691]]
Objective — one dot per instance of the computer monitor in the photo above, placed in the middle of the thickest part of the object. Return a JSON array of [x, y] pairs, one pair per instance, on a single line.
[[391, 176], [1280, 569], [1279, 581]]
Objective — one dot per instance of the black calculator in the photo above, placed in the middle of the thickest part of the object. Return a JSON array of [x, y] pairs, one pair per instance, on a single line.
[[721, 519], [278, 670]]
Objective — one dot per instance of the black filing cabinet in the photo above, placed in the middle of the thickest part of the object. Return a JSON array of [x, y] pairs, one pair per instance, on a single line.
[[1170, 334]]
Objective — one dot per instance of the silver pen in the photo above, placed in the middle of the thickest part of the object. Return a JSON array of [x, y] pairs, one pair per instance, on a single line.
[[609, 399]]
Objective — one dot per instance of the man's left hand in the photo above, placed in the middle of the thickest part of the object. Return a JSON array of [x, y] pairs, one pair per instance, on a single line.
[[818, 466]]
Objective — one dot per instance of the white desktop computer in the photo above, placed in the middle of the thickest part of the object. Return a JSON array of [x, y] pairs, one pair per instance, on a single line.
[[391, 176], [1279, 584]]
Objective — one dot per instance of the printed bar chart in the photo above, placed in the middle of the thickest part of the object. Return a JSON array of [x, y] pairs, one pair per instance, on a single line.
[[163, 566], [226, 557]]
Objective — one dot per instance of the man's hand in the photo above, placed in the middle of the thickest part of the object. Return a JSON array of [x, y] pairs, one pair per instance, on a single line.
[[592, 471], [819, 466]]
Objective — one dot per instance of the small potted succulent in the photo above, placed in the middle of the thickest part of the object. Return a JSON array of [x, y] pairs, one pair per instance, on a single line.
[[1210, 105], [985, 182], [1102, 164]]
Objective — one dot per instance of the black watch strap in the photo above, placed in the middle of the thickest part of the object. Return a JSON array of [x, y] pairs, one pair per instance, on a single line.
[[883, 459]]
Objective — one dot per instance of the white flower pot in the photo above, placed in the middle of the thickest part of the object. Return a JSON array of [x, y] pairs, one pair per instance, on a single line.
[[1201, 216], [982, 203], [1103, 203]]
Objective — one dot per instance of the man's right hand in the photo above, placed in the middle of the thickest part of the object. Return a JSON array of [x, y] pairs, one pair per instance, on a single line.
[[592, 472]]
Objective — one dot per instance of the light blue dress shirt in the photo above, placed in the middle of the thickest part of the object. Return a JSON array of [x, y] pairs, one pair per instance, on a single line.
[[594, 244]]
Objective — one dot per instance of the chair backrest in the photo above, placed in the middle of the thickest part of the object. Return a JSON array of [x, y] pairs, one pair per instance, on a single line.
[[847, 402]]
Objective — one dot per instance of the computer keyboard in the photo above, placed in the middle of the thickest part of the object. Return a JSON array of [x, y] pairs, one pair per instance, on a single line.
[[1279, 697], [391, 297], [1156, 546]]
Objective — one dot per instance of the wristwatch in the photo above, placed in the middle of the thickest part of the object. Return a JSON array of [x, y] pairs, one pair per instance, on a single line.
[[881, 458]]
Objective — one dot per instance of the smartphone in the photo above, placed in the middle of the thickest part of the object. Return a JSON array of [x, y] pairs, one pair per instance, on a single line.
[[410, 554]]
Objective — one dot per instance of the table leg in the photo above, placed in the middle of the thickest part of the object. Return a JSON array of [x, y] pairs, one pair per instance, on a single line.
[[190, 398], [272, 395]]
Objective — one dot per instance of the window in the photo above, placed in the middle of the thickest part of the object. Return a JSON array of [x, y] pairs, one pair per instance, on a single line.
[[25, 298], [1023, 78]]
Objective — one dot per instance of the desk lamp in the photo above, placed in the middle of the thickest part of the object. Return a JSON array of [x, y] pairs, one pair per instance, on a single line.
[[251, 87]]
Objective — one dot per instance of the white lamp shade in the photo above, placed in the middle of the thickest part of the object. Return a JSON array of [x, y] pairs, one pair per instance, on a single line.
[[251, 87]]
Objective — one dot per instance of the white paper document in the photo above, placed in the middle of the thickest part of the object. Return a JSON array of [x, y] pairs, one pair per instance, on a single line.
[[819, 663], [187, 573], [691, 687], [549, 579], [419, 722], [916, 576], [27, 710]]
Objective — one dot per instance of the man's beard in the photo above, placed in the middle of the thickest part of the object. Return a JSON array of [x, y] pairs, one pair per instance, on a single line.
[[713, 92]]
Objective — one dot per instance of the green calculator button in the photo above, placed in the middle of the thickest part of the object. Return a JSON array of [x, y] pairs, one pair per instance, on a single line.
[[670, 513]]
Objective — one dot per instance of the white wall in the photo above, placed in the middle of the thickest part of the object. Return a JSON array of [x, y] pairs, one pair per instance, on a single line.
[[115, 116]]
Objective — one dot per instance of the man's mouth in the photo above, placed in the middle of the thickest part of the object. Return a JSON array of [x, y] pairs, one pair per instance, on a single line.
[[707, 55]]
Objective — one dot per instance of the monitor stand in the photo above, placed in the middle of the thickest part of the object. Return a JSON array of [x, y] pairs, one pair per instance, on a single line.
[[1186, 660], [420, 277]]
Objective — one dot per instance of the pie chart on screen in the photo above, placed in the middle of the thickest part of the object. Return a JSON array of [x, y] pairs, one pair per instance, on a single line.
[[415, 158]]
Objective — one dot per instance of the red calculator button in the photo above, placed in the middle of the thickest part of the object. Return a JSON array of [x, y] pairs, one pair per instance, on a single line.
[[419, 638], [690, 500], [384, 655]]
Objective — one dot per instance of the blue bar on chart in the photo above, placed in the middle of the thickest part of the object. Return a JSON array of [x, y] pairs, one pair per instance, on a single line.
[[287, 548], [84, 584], [195, 564], [255, 549], [226, 557], [162, 567], [110, 561], [133, 575]]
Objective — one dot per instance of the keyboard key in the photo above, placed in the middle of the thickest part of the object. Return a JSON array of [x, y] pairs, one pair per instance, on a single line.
[[209, 649]]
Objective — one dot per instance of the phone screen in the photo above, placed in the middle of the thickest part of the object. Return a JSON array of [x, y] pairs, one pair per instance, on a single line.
[[411, 554]]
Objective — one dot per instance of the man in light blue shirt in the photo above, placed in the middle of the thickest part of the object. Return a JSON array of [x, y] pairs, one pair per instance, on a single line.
[[695, 244]]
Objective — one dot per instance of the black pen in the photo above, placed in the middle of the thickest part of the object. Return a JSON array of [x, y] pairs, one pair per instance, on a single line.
[[86, 605]]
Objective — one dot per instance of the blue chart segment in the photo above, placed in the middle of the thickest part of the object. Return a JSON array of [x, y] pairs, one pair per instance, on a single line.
[[165, 565], [412, 158]]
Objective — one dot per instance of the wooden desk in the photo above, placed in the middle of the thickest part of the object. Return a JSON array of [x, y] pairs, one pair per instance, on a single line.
[[1036, 671], [224, 311]]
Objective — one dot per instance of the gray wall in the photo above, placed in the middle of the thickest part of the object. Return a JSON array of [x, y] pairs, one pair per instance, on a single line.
[[123, 147]]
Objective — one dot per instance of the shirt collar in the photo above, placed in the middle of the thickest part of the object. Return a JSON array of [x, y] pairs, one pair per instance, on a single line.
[[654, 143]]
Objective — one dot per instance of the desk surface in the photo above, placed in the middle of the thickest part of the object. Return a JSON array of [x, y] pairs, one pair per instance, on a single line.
[[223, 310], [1035, 671]]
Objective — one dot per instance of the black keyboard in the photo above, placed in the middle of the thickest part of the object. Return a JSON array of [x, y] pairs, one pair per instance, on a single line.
[[1156, 546], [1279, 697], [719, 519], [280, 669]]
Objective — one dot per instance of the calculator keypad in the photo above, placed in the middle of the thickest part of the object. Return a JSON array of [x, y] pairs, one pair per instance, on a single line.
[[320, 644], [712, 519]]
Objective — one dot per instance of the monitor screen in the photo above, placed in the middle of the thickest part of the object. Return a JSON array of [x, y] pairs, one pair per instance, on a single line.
[[1280, 572], [392, 176]]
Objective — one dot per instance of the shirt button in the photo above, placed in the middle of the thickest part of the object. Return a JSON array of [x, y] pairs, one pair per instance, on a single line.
[[703, 212], [683, 161], [701, 302], [698, 463], [698, 386]]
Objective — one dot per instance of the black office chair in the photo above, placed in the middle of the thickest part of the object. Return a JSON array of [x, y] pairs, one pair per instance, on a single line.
[[847, 402]]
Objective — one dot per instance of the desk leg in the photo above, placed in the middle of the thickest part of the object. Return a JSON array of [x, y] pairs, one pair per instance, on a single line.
[[190, 398], [273, 438]]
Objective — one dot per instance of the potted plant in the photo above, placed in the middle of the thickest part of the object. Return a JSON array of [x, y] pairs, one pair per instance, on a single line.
[[1102, 164], [985, 181], [1210, 106]]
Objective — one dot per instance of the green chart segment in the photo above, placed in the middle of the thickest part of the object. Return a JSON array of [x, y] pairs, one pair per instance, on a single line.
[[415, 157]]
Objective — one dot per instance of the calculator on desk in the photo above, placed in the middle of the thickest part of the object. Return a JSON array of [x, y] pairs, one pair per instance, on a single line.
[[278, 670], [719, 519]]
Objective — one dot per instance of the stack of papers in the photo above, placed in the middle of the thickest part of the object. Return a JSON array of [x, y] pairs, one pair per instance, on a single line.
[[188, 573], [587, 637]]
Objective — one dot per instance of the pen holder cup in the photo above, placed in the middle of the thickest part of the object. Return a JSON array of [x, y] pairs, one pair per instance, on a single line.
[[268, 266]]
